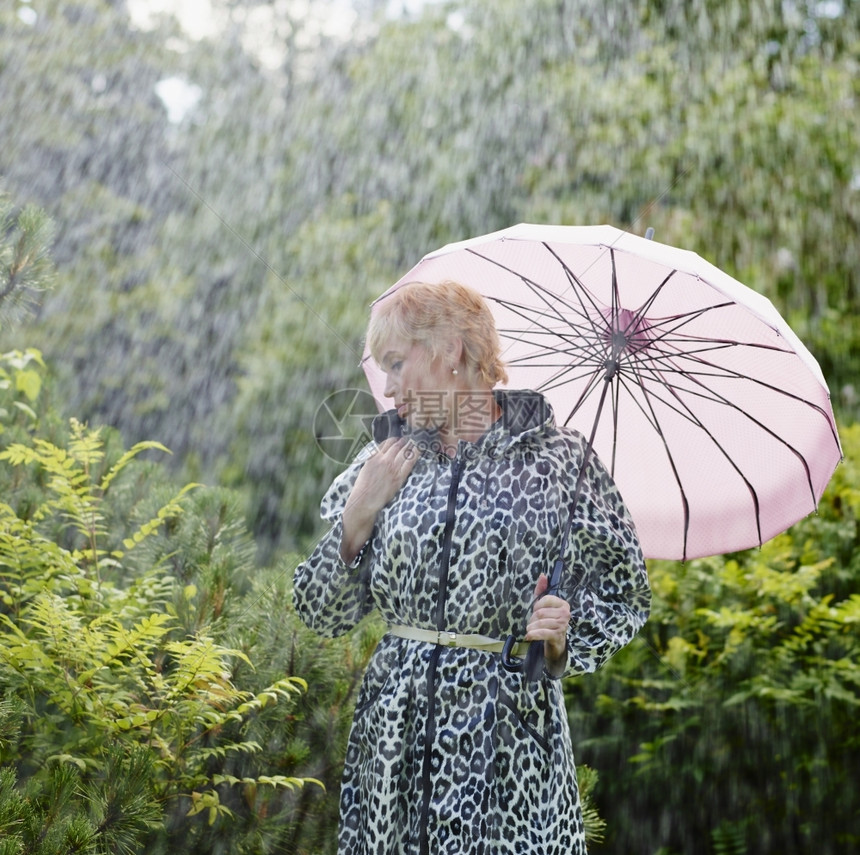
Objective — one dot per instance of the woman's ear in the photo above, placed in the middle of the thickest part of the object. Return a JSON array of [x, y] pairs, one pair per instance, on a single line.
[[453, 352]]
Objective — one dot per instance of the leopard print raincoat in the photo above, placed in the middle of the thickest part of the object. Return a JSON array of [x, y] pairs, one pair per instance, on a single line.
[[449, 753]]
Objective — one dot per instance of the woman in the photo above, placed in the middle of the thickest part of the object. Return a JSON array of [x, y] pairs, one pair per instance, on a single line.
[[443, 524]]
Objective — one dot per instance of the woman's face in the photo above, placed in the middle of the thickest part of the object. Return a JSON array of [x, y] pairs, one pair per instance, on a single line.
[[422, 387]]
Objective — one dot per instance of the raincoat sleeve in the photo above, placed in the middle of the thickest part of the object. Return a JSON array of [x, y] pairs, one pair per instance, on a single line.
[[605, 582], [330, 596]]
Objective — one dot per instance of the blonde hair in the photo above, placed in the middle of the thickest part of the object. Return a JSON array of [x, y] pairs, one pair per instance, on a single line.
[[433, 316]]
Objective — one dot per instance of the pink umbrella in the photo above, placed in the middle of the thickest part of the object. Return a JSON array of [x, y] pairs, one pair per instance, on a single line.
[[711, 415]]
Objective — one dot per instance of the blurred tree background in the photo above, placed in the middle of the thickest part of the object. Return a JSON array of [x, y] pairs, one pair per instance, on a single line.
[[224, 209]]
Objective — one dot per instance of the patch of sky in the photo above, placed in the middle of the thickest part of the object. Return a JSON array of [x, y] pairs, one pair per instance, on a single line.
[[178, 97]]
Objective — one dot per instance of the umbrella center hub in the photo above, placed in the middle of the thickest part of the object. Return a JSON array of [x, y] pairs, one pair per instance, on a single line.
[[626, 332], [619, 341]]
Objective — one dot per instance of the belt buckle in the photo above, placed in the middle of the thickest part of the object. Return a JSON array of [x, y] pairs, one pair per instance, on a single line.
[[448, 639]]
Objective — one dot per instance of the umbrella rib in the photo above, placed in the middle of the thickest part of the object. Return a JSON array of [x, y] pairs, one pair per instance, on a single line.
[[655, 423], [580, 292], [714, 343], [685, 412], [538, 290], [565, 366], [722, 344], [616, 401], [573, 279], [706, 393], [573, 333], [566, 351], [530, 313], [715, 397], [681, 320], [585, 332], [752, 490], [590, 386], [588, 331], [725, 373], [640, 314]]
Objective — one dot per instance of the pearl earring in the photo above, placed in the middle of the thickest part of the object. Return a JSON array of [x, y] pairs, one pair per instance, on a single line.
[[454, 371]]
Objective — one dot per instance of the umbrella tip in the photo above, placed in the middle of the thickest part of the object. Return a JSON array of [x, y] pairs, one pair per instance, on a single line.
[[649, 233]]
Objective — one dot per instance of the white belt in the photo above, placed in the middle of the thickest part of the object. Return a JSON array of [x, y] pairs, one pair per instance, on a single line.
[[456, 639]]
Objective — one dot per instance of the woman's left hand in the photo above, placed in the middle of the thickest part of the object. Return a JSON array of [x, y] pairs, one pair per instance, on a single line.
[[549, 621]]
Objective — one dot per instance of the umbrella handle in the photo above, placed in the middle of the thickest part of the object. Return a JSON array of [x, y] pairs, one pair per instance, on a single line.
[[533, 664], [509, 661]]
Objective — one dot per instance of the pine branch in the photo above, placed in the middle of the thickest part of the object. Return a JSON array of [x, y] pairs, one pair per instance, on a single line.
[[25, 264]]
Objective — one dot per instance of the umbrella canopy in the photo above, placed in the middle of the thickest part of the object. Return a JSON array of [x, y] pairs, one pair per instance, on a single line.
[[713, 418]]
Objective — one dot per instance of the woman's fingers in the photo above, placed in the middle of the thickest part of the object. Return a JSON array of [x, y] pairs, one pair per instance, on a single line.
[[395, 460], [541, 586], [549, 607], [384, 473], [546, 622], [377, 484], [549, 620]]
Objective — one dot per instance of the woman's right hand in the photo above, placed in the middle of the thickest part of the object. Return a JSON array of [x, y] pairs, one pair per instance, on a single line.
[[378, 482]]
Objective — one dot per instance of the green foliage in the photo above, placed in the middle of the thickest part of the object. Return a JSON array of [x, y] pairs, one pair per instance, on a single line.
[[314, 736], [25, 265], [20, 387], [130, 615], [126, 720], [733, 717], [595, 825], [730, 838], [65, 811]]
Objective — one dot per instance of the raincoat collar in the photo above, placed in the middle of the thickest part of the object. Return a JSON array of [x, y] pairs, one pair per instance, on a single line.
[[525, 414]]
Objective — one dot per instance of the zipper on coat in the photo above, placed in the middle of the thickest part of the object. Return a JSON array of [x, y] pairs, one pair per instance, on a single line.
[[447, 536], [430, 731]]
